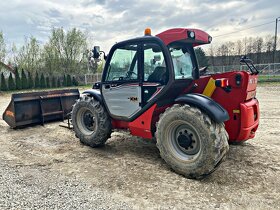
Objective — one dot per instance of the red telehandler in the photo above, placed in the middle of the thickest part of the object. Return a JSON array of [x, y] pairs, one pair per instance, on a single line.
[[152, 86]]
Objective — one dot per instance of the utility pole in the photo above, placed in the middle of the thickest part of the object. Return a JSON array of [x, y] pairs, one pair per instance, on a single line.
[[275, 38]]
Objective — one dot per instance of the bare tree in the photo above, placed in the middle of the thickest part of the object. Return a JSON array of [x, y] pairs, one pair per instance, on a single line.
[[2, 47], [29, 55], [238, 48], [64, 52]]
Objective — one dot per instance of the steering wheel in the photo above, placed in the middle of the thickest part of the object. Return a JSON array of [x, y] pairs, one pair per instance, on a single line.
[[130, 73]]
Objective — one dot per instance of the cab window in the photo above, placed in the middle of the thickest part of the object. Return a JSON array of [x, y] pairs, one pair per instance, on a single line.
[[182, 63], [123, 64], [154, 64]]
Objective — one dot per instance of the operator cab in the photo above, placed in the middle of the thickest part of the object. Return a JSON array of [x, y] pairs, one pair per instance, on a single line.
[[141, 72]]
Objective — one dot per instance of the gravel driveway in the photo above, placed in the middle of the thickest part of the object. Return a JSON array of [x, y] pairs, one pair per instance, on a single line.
[[46, 167]]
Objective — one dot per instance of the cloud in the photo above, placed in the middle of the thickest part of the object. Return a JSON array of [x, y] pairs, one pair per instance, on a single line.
[[110, 21], [53, 13]]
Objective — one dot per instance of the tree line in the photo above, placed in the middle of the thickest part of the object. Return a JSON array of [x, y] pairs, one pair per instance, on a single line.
[[259, 49], [65, 52], [25, 80]]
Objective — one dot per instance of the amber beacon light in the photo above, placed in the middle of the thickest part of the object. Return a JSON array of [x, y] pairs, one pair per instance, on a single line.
[[148, 32]]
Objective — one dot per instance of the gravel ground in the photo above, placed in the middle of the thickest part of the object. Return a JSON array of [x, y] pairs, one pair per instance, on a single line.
[[46, 167], [35, 188]]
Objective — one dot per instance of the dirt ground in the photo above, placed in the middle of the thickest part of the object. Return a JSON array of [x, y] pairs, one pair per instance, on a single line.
[[129, 170]]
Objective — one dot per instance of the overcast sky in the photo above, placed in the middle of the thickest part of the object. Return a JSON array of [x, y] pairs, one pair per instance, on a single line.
[[110, 21]]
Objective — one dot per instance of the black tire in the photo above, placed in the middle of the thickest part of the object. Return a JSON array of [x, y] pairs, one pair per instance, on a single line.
[[91, 122], [190, 142]]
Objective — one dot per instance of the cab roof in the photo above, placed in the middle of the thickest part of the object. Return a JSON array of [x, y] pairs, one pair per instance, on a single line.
[[185, 35]]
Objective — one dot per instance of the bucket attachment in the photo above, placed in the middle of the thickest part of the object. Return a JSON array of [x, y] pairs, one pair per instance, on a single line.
[[39, 107]]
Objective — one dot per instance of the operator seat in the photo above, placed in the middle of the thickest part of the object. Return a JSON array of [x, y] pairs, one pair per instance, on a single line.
[[158, 75]]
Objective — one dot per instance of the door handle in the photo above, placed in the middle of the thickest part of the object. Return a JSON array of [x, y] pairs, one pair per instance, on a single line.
[[107, 86]]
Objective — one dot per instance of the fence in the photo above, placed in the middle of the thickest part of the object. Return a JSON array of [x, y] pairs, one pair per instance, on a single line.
[[270, 71], [265, 69], [89, 79]]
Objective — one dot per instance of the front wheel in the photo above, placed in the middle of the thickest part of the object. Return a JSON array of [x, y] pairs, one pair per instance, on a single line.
[[190, 142], [91, 122]]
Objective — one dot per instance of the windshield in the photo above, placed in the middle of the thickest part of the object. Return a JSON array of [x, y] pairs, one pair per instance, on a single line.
[[182, 63]]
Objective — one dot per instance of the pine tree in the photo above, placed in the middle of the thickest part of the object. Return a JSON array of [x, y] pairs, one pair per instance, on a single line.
[[37, 81], [48, 82], [64, 82], [18, 80], [75, 81], [30, 81], [3, 86], [53, 82], [68, 80], [58, 84], [202, 59], [11, 82], [24, 82], [42, 81]]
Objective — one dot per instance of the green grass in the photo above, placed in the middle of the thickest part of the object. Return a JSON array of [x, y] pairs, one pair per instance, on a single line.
[[269, 78]]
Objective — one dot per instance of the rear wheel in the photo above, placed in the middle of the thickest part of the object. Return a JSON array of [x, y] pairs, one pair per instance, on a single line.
[[190, 142], [91, 122]]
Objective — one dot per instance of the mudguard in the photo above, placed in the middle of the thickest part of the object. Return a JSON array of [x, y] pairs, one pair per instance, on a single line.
[[95, 94], [215, 111]]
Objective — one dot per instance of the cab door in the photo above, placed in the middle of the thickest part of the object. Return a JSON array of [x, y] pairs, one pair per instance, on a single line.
[[121, 83]]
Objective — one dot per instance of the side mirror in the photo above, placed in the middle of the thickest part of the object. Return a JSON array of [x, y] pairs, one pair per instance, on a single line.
[[96, 85], [96, 52]]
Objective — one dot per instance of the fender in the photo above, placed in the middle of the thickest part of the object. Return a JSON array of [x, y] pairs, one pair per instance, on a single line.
[[214, 110], [95, 94]]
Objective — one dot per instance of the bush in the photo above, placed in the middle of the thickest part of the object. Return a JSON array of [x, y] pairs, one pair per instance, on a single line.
[[53, 82], [3, 86], [47, 82], [18, 80], [68, 80], [37, 81], [24, 82], [58, 84], [30, 81], [75, 81], [64, 83], [11, 82], [42, 81]]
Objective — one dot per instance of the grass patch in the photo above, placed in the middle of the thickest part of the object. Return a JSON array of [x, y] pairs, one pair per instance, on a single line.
[[269, 78]]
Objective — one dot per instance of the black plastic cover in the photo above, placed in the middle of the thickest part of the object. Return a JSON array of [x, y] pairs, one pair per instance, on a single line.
[[95, 94], [215, 111]]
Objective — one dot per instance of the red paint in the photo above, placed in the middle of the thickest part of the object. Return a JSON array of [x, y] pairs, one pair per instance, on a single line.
[[141, 126], [250, 120], [177, 34], [240, 125]]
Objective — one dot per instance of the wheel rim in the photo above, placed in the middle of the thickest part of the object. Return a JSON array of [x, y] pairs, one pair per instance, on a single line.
[[184, 140], [86, 121]]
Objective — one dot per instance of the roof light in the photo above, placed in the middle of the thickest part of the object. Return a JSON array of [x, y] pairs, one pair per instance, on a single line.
[[148, 32], [191, 34]]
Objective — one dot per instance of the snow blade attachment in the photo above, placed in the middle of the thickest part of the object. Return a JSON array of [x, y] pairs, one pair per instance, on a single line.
[[39, 107]]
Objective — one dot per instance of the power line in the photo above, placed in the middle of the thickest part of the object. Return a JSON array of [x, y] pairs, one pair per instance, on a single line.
[[244, 29], [211, 26]]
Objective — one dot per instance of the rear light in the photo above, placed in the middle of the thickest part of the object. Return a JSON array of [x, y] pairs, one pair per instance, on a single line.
[[222, 82]]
